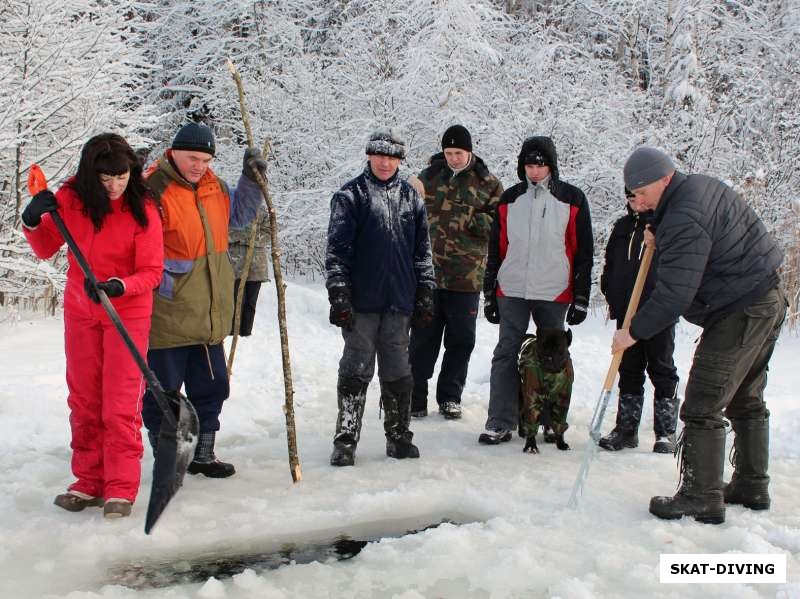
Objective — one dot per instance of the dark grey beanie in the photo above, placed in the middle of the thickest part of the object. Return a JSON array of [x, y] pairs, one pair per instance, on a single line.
[[646, 165], [194, 137], [387, 142]]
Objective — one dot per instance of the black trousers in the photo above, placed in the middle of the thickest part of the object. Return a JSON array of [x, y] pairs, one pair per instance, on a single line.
[[454, 320], [249, 301], [653, 355]]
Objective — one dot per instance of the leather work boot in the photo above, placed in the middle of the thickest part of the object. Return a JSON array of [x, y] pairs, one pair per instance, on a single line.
[[702, 460], [749, 485], [74, 501]]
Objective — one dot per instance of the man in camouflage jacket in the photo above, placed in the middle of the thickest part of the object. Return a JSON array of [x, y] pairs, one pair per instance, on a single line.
[[460, 198]]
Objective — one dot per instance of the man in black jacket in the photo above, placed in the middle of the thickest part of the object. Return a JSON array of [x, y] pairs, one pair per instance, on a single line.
[[623, 257], [718, 268]]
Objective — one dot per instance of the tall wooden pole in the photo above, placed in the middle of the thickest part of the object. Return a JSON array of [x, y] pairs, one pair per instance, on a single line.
[[280, 287]]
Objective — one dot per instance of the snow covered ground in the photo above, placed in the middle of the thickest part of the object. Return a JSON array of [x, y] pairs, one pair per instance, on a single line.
[[518, 538]]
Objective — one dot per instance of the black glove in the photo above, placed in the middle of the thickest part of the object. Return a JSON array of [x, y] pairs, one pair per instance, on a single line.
[[423, 307], [341, 314], [112, 287], [41, 203], [577, 311], [253, 159], [490, 310]]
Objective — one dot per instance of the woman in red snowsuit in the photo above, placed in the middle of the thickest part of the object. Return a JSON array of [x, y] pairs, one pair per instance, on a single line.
[[116, 225]]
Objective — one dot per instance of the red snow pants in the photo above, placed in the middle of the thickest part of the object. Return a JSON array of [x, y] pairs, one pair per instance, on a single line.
[[105, 401]]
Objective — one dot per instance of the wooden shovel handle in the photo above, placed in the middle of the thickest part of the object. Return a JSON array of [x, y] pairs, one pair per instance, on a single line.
[[633, 305]]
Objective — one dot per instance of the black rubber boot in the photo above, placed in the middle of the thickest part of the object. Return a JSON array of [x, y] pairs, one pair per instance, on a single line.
[[702, 459], [344, 451], [749, 484], [625, 433], [396, 400], [205, 462], [351, 395]]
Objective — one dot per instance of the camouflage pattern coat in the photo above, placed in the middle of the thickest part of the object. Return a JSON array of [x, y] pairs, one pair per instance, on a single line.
[[544, 396], [239, 238], [460, 212]]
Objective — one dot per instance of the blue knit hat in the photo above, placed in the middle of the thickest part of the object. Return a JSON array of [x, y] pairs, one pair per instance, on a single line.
[[194, 137]]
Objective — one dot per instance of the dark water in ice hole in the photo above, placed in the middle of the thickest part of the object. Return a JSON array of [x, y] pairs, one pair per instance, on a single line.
[[165, 572]]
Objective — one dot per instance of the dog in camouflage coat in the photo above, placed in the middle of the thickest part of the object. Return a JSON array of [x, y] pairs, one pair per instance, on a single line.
[[545, 368]]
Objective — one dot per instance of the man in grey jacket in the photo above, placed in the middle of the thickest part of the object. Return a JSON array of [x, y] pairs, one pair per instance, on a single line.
[[717, 268]]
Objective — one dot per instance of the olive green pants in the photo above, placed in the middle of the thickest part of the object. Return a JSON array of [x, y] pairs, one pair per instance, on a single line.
[[729, 370]]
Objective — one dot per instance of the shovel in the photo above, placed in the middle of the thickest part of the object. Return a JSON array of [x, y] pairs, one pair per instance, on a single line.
[[605, 395], [177, 437]]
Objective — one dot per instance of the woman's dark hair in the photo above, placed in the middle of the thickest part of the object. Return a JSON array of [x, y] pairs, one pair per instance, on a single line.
[[110, 154]]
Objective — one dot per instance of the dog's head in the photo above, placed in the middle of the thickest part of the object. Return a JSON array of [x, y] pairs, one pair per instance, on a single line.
[[552, 347]]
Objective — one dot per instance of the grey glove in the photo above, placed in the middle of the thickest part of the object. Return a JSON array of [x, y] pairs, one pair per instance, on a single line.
[[253, 160]]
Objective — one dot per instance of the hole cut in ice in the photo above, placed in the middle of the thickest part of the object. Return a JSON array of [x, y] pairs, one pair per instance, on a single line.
[[225, 562]]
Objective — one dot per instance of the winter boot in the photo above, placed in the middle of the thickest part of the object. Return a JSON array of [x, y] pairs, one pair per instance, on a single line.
[[664, 444], [205, 462], [665, 421], [625, 433], [749, 484], [75, 501], [352, 396], [702, 460], [450, 410], [396, 400], [117, 508]]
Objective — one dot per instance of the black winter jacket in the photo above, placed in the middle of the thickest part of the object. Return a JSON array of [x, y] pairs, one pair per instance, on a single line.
[[378, 244], [623, 256], [715, 255]]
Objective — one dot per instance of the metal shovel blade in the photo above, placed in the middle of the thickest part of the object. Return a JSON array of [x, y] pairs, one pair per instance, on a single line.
[[174, 452]]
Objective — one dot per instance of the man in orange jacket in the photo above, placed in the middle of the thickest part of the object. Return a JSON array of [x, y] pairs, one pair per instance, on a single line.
[[193, 306]]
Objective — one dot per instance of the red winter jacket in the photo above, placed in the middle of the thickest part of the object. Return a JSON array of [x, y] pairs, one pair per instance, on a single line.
[[121, 248]]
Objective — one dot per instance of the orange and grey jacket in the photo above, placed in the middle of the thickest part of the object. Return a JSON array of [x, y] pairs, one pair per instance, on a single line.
[[194, 302]]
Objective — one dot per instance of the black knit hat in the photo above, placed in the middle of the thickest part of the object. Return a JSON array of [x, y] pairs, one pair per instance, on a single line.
[[386, 142], [194, 137], [457, 136]]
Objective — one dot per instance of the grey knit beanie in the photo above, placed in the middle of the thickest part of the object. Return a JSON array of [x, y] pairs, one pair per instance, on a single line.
[[646, 165], [387, 142], [194, 137]]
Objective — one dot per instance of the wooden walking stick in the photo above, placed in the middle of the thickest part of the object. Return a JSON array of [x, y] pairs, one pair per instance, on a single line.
[[248, 260], [605, 395], [280, 288]]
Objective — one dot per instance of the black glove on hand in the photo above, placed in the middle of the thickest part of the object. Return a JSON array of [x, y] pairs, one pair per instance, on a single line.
[[41, 203], [253, 159], [423, 307], [112, 287], [490, 310], [341, 314], [577, 311]]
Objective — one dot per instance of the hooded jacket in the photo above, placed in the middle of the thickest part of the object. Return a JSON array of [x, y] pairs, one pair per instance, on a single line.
[[194, 302], [541, 244], [623, 256], [460, 210]]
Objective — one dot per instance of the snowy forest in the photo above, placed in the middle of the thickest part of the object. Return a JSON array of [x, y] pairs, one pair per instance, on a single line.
[[714, 83]]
